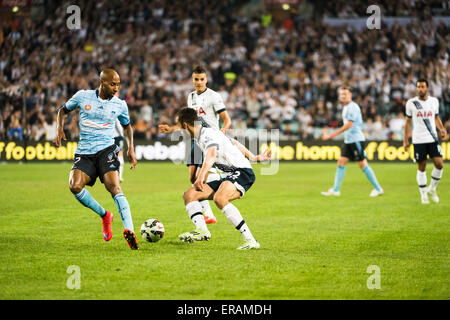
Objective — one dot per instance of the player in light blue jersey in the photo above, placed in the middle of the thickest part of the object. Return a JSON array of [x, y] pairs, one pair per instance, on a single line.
[[96, 154], [354, 145]]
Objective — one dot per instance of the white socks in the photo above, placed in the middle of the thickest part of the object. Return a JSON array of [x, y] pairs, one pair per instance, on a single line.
[[206, 208], [234, 216], [422, 182], [436, 175], [194, 209]]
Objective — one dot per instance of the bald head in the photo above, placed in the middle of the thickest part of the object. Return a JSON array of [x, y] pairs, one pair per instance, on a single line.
[[109, 75], [109, 83]]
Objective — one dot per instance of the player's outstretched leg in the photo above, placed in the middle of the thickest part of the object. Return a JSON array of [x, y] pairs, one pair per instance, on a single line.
[[226, 193], [111, 181], [78, 179]]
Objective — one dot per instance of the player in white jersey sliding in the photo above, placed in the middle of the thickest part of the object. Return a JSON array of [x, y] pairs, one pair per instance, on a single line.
[[237, 177], [424, 112], [210, 108]]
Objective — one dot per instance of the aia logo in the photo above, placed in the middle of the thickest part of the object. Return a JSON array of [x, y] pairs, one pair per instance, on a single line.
[[87, 107], [200, 111], [425, 114]]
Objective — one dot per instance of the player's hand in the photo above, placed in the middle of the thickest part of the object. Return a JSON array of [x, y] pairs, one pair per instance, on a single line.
[[327, 137], [59, 136], [406, 145], [131, 158], [444, 135], [265, 156], [224, 130], [164, 128], [198, 184]]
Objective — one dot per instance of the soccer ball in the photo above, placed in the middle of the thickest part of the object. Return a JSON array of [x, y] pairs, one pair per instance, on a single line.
[[152, 230]]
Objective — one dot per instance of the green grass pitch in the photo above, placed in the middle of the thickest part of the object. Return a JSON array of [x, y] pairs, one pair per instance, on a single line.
[[312, 247]]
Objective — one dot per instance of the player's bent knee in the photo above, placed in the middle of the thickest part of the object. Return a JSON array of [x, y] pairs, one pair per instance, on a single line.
[[75, 188], [220, 200], [114, 189], [189, 195]]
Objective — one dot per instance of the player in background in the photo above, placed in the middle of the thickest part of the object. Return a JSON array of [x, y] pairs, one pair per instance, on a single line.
[[237, 177], [96, 154], [354, 144], [210, 108], [424, 112], [118, 140]]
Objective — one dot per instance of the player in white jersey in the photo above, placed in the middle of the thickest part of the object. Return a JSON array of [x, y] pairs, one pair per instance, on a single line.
[[210, 109], [236, 178], [424, 112]]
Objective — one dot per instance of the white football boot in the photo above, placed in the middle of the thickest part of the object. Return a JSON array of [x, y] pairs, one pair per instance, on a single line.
[[432, 192], [376, 193], [331, 192]]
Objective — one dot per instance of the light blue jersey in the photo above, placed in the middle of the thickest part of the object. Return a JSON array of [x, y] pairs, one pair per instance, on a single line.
[[352, 112], [97, 119]]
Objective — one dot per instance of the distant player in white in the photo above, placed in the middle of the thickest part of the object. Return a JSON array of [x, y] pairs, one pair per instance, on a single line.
[[210, 108], [237, 177], [118, 140], [424, 112]]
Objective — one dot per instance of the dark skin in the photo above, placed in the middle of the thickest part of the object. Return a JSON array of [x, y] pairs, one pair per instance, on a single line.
[[109, 86]]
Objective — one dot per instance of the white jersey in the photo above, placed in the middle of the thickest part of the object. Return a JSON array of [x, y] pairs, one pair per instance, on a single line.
[[423, 118], [208, 105], [228, 156]]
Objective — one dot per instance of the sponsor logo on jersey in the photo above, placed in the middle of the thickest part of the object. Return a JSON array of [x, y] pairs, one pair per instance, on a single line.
[[200, 111], [424, 114]]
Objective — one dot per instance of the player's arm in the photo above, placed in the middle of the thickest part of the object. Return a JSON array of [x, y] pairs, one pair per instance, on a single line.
[[165, 128], [345, 127], [62, 112], [250, 156], [226, 121], [441, 127], [128, 134], [210, 158], [406, 133]]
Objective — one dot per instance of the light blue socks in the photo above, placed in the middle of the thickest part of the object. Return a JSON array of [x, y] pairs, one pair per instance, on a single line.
[[85, 198], [372, 178], [124, 209], [339, 176]]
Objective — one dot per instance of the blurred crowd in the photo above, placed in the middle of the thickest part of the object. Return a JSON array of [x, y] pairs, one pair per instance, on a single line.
[[271, 74]]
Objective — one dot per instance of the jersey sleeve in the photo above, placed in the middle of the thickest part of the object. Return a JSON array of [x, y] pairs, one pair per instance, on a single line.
[[408, 110], [218, 104], [436, 112], [74, 102], [352, 113], [124, 117], [211, 139]]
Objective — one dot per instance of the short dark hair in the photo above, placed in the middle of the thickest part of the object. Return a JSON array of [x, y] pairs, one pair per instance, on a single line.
[[199, 69], [422, 80], [187, 115], [346, 87]]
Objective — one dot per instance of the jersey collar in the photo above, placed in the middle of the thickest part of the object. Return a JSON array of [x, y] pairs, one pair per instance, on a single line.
[[201, 92]]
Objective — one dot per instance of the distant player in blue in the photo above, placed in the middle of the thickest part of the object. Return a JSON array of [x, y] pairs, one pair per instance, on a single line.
[[354, 145], [96, 154]]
